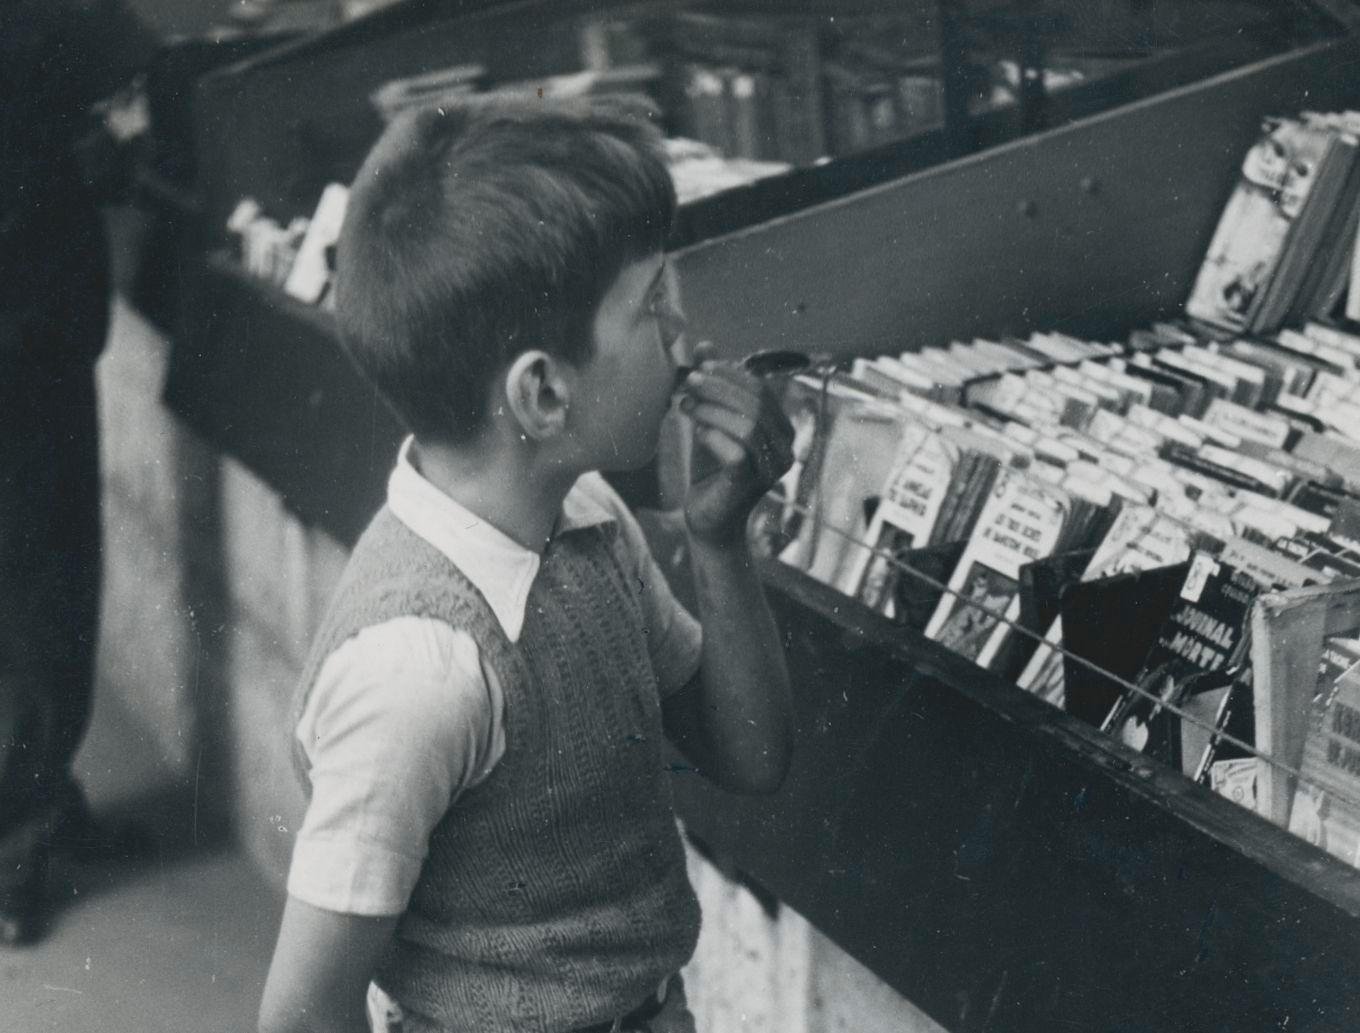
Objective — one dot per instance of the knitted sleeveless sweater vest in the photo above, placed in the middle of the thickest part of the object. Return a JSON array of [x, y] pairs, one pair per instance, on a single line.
[[554, 894]]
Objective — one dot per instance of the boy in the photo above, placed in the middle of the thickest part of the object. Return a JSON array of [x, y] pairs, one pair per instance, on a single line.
[[490, 837]]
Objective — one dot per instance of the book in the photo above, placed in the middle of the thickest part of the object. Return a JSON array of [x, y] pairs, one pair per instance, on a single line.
[[1200, 649], [857, 443], [1141, 538], [1248, 423], [932, 495], [1293, 181], [750, 116], [1295, 633], [1353, 284], [311, 272], [905, 517], [1096, 663], [1250, 237], [438, 87], [1326, 806], [1320, 167], [786, 51], [1024, 520], [699, 171], [901, 79], [1327, 275]]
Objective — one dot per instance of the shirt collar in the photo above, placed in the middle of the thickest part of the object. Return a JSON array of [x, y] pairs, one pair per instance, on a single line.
[[498, 566], [582, 508]]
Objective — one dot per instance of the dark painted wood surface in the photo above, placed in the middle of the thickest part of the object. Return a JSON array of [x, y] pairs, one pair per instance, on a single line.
[[262, 376], [1092, 228], [1007, 868]]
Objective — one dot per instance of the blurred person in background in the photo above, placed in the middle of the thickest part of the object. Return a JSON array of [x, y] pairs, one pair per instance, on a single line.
[[57, 58]]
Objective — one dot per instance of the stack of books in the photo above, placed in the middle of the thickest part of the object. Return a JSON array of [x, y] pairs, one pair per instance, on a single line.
[[299, 259], [798, 88], [700, 166], [880, 87], [261, 244], [440, 87], [699, 171]]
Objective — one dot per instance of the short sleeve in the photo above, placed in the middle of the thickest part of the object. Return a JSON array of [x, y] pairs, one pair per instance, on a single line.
[[674, 637], [402, 719]]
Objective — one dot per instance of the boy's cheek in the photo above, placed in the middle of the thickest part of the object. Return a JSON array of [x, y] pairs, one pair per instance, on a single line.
[[635, 447]]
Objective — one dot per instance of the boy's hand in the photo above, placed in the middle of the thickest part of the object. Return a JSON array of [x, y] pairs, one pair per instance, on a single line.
[[738, 419]]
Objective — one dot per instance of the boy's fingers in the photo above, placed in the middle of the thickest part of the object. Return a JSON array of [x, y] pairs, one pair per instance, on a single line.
[[769, 451], [741, 393], [704, 351], [736, 425], [768, 440], [727, 451], [740, 420], [725, 386]]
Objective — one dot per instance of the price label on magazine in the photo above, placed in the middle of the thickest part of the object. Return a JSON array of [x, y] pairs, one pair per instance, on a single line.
[[1236, 779], [1202, 568]]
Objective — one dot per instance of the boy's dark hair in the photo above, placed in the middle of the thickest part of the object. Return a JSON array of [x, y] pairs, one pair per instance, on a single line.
[[474, 235]]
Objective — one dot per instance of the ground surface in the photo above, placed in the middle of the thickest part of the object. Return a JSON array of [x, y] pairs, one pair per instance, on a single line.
[[178, 940]]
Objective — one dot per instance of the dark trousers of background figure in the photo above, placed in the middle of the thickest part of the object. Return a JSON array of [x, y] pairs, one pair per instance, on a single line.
[[50, 535]]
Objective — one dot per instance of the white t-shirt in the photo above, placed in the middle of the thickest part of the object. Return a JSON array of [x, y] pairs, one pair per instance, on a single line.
[[403, 716]]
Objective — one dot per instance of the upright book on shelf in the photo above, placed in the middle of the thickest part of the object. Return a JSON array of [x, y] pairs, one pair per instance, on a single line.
[[932, 496], [1299, 636], [1024, 520], [1326, 808], [1237, 287], [853, 444], [1201, 648], [712, 50], [1140, 538]]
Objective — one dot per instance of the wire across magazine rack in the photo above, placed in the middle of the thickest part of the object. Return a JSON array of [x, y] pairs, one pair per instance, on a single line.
[[1217, 734]]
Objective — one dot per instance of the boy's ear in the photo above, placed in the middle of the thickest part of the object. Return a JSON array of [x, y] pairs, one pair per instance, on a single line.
[[538, 394]]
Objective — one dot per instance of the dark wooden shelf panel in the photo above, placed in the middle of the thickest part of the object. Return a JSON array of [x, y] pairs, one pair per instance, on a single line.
[[1006, 867], [262, 376]]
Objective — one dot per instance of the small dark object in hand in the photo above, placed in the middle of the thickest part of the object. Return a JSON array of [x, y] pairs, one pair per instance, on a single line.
[[773, 362]]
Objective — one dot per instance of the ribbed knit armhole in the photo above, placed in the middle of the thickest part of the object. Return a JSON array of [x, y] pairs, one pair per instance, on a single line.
[[393, 572]]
